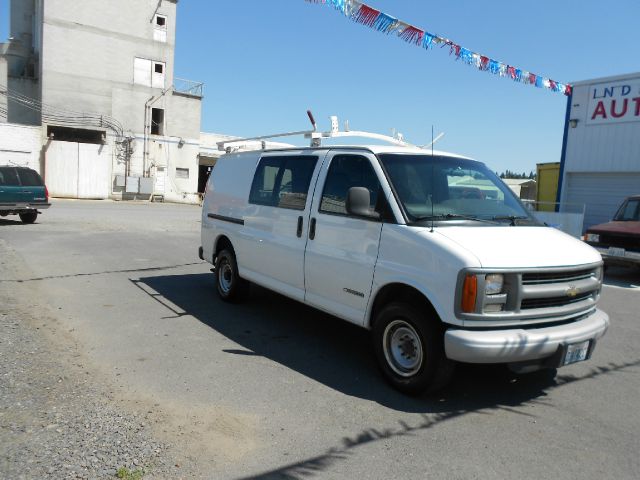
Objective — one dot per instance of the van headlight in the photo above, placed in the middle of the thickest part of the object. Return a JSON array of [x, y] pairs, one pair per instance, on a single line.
[[493, 283], [592, 237]]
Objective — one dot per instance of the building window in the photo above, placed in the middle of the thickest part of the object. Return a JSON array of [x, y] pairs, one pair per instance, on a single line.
[[157, 121], [157, 80], [182, 173], [148, 73], [160, 28]]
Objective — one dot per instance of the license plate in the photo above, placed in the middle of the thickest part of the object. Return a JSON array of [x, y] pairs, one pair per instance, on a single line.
[[576, 352], [616, 252]]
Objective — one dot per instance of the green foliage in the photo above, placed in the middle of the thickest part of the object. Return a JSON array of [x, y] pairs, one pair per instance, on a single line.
[[126, 474], [521, 176]]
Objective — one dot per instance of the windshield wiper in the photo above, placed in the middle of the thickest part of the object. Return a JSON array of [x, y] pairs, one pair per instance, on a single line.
[[455, 216], [511, 218]]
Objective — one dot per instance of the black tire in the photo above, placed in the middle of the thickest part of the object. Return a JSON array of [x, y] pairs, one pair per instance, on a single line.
[[28, 217], [414, 334], [231, 288]]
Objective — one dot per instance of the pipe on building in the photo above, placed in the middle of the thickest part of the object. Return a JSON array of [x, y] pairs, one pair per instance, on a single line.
[[145, 142]]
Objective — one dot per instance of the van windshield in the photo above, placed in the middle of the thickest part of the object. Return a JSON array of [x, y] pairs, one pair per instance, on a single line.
[[446, 188]]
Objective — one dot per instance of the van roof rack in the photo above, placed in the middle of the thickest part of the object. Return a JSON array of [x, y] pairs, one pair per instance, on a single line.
[[316, 137]]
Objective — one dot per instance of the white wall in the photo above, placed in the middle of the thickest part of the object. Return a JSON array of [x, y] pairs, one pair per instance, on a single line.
[[21, 144], [164, 152]]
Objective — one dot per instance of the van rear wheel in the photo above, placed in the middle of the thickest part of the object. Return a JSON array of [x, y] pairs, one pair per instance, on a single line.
[[228, 282], [409, 349], [28, 217]]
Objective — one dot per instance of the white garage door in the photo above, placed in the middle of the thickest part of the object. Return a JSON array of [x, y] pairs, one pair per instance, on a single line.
[[78, 170], [61, 172], [601, 193]]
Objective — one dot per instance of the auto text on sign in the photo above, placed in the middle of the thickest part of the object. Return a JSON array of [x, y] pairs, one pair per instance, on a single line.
[[614, 102]]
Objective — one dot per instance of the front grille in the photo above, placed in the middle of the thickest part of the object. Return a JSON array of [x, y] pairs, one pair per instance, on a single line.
[[529, 303], [539, 278], [621, 241]]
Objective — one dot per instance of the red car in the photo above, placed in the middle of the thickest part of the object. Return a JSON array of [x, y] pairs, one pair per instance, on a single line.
[[618, 241]]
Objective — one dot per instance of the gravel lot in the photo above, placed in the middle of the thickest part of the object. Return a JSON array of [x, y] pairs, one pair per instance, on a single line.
[[57, 418], [111, 332]]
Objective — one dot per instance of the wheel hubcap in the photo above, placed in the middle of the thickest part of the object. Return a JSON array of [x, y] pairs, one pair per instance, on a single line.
[[225, 276], [402, 348]]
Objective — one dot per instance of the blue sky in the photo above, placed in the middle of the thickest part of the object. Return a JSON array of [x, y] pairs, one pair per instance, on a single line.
[[265, 62]]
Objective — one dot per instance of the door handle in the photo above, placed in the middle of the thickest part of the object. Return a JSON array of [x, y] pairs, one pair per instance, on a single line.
[[312, 229], [299, 230]]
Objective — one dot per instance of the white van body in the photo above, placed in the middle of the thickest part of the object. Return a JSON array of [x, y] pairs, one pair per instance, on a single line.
[[351, 267]]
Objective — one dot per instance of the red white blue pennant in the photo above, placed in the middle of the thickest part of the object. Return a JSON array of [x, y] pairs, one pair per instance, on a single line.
[[369, 16]]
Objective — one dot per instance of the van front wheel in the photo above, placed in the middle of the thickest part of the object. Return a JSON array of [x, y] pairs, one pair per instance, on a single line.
[[409, 349], [228, 282]]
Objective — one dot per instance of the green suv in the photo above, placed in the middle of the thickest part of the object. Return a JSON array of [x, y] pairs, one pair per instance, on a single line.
[[22, 192]]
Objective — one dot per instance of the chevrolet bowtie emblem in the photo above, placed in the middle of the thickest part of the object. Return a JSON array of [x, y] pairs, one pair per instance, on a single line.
[[572, 291]]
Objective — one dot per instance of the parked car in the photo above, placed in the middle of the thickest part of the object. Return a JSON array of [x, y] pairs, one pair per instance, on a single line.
[[618, 241], [22, 193], [381, 237]]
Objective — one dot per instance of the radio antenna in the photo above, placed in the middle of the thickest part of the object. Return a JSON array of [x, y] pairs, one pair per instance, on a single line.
[[432, 177]]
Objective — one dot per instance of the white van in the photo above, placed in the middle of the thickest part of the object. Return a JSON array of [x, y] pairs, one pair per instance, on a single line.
[[430, 251]]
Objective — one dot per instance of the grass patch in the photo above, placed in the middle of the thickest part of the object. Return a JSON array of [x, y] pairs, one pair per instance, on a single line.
[[126, 474]]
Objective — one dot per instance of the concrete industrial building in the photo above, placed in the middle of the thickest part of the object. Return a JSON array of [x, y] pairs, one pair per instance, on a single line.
[[97, 78], [600, 163]]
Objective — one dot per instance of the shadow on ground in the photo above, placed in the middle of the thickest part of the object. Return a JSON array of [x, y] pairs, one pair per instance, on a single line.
[[338, 354], [624, 277], [8, 221], [329, 350]]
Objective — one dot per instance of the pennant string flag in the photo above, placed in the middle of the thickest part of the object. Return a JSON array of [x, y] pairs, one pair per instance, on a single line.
[[377, 20]]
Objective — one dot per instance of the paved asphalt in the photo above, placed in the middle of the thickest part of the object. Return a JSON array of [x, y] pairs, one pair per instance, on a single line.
[[273, 389]]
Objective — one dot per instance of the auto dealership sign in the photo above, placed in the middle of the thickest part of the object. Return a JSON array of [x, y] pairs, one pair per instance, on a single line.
[[614, 102]]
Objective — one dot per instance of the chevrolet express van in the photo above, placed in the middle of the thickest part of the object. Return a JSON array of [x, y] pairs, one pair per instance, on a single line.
[[430, 251]]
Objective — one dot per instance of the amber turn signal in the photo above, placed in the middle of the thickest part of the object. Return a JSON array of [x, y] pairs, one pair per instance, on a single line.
[[469, 293]]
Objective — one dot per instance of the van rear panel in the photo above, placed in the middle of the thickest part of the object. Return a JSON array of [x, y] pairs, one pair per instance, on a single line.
[[33, 189]]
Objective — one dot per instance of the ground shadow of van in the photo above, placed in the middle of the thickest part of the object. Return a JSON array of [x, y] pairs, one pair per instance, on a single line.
[[11, 221], [329, 350]]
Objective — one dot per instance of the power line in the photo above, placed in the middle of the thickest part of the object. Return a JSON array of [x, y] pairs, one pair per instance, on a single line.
[[51, 114]]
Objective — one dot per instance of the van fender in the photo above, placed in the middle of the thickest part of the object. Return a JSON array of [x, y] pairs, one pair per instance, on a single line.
[[407, 281]]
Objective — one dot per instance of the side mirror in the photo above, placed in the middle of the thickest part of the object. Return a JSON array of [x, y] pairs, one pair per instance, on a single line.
[[358, 201]]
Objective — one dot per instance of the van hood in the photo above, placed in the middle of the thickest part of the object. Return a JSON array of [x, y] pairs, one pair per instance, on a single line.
[[521, 247]]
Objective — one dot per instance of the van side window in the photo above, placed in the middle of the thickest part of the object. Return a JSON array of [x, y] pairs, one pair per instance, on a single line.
[[29, 178], [283, 181], [8, 177], [348, 171]]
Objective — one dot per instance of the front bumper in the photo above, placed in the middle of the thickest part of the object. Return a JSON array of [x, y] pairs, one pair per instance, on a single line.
[[521, 345], [624, 257]]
